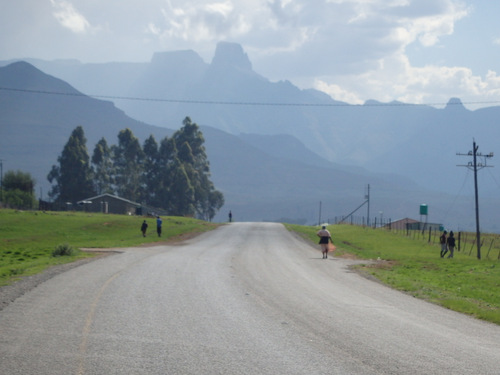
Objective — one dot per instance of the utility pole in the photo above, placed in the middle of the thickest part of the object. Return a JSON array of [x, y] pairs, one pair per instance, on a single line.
[[1, 180], [475, 166], [367, 197]]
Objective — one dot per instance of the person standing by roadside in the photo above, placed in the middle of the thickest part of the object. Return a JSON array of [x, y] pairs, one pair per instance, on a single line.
[[324, 238], [442, 241], [451, 244], [230, 217], [158, 225], [144, 228]]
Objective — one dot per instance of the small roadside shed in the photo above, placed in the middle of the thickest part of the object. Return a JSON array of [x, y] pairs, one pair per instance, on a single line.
[[110, 204], [412, 224]]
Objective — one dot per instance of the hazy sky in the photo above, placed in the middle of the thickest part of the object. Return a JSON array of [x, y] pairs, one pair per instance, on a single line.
[[417, 51]]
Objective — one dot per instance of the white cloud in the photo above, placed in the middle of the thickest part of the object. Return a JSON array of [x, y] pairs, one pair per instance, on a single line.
[[69, 17], [431, 28], [337, 92], [396, 79], [202, 22], [353, 49]]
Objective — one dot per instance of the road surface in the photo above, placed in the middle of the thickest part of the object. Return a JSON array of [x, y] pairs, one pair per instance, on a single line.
[[247, 298]]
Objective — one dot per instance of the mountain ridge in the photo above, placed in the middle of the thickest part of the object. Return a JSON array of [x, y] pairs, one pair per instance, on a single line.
[[238, 100], [376, 140], [259, 181]]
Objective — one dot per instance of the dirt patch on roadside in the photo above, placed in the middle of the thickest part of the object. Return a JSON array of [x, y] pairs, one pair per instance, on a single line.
[[10, 293]]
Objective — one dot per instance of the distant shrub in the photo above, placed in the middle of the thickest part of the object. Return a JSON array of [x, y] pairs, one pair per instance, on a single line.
[[64, 250]]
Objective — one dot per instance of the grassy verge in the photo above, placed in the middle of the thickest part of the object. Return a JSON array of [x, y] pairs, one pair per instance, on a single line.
[[28, 239], [464, 283]]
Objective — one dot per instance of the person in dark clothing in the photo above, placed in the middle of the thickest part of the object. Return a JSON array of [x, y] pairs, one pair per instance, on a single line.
[[451, 244], [144, 228], [444, 245], [158, 226], [230, 216]]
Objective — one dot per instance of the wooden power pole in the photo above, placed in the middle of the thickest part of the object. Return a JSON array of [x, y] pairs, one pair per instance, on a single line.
[[475, 166]]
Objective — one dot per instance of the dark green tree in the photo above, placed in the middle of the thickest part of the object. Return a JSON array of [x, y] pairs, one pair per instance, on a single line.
[[151, 171], [102, 168], [18, 190], [190, 142], [181, 192], [72, 178], [191, 134], [167, 154], [128, 158], [213, 204]]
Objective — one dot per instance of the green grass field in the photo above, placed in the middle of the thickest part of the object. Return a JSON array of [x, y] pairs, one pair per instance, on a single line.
[[28, 238], [413, 265]]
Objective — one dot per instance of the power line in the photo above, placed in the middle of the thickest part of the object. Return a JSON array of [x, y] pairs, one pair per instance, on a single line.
[[245, 103], [457, 195]]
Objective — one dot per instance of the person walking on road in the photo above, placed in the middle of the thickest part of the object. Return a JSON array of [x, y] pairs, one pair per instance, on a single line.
[[451, 244], [324, 238], [442, 241], [144, 228]]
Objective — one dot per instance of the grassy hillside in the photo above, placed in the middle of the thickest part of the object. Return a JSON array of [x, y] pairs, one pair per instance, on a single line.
[[413, 265], [28, 239]]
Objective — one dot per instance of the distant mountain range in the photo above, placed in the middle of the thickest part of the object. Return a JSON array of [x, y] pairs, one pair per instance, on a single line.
[[252, 128]]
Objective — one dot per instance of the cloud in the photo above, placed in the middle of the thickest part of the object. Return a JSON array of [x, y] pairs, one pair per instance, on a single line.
[[429, 28], [200, 21], [69, 17], [396, 79], [356, 50], [337, 92], [353, 49]]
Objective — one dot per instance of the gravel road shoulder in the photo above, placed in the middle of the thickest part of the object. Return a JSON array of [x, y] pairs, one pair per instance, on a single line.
[[10, 293]]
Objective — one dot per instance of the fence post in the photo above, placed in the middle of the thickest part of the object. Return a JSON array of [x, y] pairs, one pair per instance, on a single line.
[[472, 247], [491, 244]]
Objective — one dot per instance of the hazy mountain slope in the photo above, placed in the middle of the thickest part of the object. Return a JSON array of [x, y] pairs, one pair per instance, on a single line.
[[262, 177], [430, 155], [260, 186], [418, 142], [34, 126], [257, 184]]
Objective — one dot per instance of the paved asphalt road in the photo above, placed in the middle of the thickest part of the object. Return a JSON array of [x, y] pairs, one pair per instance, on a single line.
[[247, 298]]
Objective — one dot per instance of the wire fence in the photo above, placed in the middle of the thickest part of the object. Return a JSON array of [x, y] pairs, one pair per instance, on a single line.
[[430, 233]]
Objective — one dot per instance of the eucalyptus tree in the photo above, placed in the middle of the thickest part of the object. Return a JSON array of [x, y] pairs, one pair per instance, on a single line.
[[181, 192], [72, 178], [151, 171], [190, 142], [128, 158], [102, 167], [167, 153]]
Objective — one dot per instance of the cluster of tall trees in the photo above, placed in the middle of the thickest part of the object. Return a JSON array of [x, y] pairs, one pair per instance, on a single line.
[[173, 175]]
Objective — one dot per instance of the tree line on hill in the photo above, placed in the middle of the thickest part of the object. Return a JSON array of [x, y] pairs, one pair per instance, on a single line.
[[16, 190], [173, 175]]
